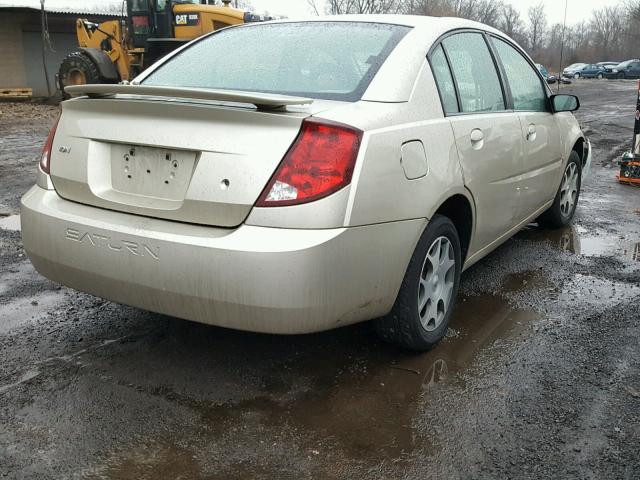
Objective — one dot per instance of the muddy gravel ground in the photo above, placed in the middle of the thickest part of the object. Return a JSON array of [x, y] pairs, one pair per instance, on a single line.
[[539, 376]]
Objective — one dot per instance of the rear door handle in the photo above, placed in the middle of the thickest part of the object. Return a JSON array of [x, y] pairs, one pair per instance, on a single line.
[[476, 135], [477, 138], [531, 132]]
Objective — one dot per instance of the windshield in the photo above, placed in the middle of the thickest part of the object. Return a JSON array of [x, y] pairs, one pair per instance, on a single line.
[[330, 60]]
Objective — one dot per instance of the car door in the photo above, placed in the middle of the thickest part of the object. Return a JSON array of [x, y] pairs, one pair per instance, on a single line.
[[634, 70], [487, 136], [540, 135]]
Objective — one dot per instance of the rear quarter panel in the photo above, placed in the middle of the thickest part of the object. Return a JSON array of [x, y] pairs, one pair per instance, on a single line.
[[380, 191]]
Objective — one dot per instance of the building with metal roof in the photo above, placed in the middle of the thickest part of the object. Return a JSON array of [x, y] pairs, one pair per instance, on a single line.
[[76, 7], [21, 39]]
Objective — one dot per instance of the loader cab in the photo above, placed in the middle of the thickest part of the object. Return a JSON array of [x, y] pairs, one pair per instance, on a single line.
[[139, 22], [151, 26], [152, 19]]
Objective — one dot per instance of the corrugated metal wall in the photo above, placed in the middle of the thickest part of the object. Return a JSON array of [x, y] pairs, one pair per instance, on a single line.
[[12, 68], [63, 44], [21, 48]]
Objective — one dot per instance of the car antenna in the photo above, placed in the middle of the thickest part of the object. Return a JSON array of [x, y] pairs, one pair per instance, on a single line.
[[564, 26]]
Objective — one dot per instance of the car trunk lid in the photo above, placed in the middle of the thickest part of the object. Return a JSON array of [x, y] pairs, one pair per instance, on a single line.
[[188, 160]]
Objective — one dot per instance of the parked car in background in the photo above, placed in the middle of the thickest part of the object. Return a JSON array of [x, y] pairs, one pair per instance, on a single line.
[[589, 70], [608, 64], [551, 79], [568, 71], [320, 190], [626, 69]]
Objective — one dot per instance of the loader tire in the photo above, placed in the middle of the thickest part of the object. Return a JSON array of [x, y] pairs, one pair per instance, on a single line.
[[77, 69]]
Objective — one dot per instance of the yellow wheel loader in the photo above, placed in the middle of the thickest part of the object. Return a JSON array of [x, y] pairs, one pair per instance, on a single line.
[[119, 50]]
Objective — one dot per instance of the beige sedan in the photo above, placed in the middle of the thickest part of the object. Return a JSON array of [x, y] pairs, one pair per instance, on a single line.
[[298, 176]]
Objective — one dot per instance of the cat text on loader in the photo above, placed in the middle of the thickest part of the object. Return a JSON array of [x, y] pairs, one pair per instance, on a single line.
[[118, 50]]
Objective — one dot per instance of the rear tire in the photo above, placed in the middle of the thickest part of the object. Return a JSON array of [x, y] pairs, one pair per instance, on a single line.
[[564, 206], [424, 306], [600, 76], [77, 69]]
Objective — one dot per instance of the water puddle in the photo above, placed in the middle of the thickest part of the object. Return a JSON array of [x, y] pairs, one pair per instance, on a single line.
[[346, 399], [602, 293], [12, 222], [24, 310], [578, 240]]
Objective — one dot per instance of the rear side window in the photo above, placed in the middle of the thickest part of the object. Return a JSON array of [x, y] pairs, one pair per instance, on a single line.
[[525, 84], [444, 80], [331, 60], [475, 73]]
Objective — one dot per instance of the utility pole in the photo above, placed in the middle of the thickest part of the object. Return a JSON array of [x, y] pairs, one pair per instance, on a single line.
[[44, 38], [564, 27]]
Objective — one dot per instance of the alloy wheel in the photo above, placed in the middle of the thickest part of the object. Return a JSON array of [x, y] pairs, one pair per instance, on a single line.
[[436, 284], [569, 190]]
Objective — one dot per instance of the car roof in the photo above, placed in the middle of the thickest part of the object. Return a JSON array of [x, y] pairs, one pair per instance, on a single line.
[[408, 57], [437, 25]]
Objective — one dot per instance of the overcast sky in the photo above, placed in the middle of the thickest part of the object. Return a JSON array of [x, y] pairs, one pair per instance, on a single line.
[[578, 10]]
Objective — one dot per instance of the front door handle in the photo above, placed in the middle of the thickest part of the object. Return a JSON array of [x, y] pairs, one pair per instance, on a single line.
[[531, 133]]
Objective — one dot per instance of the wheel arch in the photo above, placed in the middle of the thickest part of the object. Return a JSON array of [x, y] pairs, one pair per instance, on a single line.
[[458, 207], [579, 147]]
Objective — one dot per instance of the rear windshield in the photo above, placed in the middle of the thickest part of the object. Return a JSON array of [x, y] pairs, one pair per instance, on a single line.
[[330, 60]]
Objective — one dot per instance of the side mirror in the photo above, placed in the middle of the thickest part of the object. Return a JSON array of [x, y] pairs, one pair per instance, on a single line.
[[565, 103]]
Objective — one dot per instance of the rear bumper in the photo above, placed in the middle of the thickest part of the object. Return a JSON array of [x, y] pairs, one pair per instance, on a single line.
[[251, 278]]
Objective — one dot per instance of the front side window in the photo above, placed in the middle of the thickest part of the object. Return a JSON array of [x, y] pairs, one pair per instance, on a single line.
[[525, 84], [330, 60], [444, 81], [475, 73]]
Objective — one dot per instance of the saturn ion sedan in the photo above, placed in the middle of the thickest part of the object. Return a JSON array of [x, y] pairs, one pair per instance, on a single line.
[[298, 176]]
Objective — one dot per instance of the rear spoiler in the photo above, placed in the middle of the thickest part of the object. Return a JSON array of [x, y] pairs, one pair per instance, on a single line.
[[263, 101]]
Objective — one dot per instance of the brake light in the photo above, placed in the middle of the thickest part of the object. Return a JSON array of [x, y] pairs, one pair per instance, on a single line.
[[45, 159], [319, 163]]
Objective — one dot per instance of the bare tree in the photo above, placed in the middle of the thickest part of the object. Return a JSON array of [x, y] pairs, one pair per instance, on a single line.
[[435, 8], [612, 33], [510, 23], [314, 7], [607, 30], [489, 12], [537, 28], [338, 7]]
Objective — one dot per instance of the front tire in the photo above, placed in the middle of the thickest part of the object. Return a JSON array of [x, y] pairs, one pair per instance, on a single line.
[[424, 306], [600, 76], [576, 76], [564, 206]]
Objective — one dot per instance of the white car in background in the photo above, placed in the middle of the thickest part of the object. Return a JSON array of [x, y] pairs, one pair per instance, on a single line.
[[297, 176], [571, 69]]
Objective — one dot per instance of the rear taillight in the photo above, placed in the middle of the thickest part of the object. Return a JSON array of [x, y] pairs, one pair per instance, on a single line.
[[319, 163], [45, 159]]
